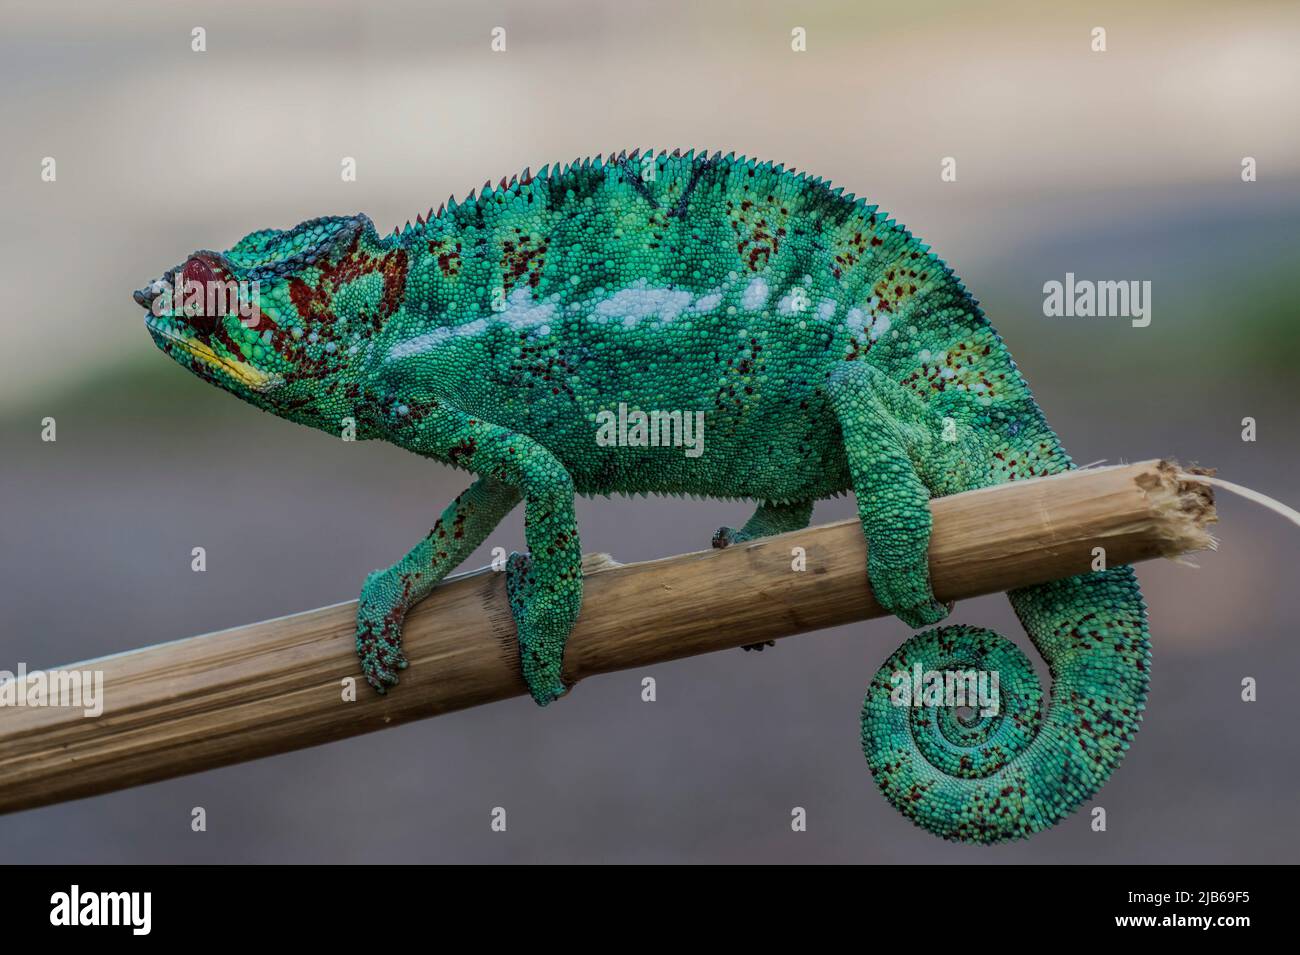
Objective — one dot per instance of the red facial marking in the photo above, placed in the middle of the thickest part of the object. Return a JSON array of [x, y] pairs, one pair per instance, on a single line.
[[315, 303]]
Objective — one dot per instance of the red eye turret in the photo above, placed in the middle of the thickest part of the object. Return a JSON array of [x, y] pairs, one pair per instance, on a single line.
[[196, 270], [195, 298]]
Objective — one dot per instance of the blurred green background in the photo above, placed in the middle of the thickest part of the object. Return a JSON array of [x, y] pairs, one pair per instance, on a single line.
[[1117, 165]]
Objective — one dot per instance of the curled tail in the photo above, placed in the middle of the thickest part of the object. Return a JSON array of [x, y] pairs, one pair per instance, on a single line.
[[1016, 771]]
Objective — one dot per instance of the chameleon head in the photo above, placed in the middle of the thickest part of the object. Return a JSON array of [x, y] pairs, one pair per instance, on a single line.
[[271, 317]]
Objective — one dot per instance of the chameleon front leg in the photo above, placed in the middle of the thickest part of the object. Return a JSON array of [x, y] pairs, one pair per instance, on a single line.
[[388, 594], [886, 435], [544, 586]]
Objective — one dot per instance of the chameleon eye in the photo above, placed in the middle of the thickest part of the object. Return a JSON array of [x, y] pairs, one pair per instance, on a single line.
[[198, 273], [196, 270]]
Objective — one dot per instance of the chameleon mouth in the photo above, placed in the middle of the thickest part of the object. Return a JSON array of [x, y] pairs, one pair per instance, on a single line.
[[165, 331]]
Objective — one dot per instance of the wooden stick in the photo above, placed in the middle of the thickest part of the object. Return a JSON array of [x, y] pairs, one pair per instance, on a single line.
[[270, 687]]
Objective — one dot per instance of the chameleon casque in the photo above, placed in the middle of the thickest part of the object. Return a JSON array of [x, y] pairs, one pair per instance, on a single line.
[[829, 350]]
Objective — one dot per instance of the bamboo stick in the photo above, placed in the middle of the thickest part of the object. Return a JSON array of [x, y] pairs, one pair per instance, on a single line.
[[252, 691]]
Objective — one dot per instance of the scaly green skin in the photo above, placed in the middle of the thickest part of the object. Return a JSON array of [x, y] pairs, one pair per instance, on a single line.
[[828, 349]]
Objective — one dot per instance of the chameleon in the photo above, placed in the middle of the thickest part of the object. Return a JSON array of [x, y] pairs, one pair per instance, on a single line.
[[824, 349]]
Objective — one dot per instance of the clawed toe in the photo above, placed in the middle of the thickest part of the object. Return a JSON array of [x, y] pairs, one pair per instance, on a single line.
[[724, 537], [550, 694], [379, 677], [924, 614], [380, 651]]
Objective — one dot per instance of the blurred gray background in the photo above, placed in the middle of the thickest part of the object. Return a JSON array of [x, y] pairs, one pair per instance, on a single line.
[[1119, 165]]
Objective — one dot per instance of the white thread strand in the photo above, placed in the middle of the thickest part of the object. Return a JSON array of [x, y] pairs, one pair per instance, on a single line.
[[1263, 499]]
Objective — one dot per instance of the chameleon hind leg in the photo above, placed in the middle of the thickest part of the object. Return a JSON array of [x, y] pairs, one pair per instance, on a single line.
[[544, 586], [768, 520], [885, 431], [388, 594], [1015, 765]]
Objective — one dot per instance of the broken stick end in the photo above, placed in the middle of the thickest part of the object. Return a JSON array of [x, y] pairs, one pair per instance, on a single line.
[[1183, 506]]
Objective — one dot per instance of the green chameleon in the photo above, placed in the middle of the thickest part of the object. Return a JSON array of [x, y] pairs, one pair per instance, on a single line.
[[828, 350]]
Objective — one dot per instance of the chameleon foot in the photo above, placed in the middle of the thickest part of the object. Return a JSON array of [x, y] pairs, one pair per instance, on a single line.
[[724, 537], [380, 613], [905, 593], [543, 619]]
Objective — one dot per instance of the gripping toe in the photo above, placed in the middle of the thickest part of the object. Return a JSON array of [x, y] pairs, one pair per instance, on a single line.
[[924, 614], [724, 537]]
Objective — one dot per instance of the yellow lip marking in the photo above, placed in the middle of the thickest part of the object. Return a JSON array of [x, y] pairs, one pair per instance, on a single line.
[[241, 371]]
